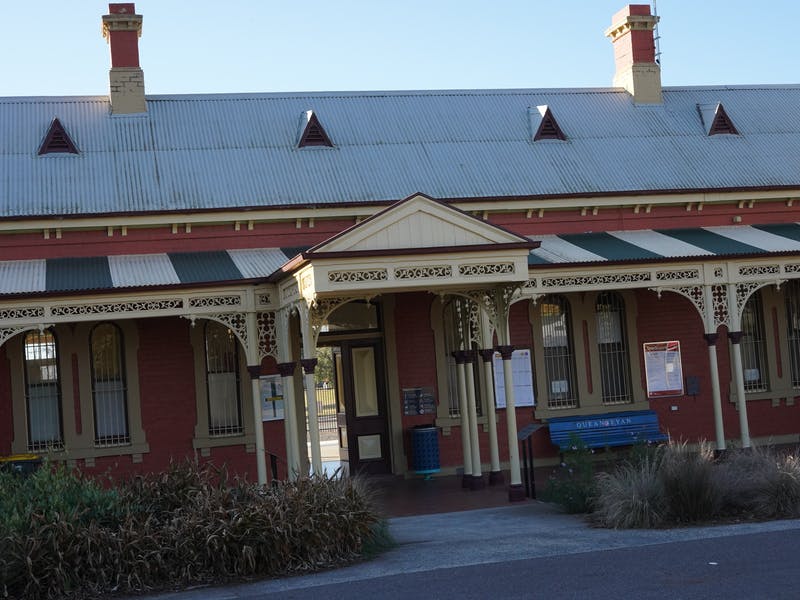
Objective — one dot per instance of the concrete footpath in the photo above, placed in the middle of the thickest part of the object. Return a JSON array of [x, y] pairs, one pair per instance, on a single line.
[[492, 535]]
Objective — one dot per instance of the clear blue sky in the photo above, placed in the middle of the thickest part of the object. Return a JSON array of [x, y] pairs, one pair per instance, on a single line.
[[54, 47]]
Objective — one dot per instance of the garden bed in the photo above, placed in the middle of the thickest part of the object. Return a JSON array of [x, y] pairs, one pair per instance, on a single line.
[[65, 535]]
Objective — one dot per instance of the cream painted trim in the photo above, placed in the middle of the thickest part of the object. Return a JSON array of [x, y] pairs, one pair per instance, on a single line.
[[395, 414], [81, 445], [780, 388], [419, 222], [14, 352], [659, 277], [425, 272], [135, 305], [291, 215], [582, 309], [202, 440]]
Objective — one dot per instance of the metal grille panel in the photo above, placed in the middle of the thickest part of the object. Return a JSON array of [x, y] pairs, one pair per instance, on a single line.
[[753, 346], [42, 392], [222, 381], [792, 296], [559, 354], [109, 386], [612, 346]]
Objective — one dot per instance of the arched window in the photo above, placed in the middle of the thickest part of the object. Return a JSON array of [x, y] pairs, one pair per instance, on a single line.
[[612, 346], [792, 299], [109, 389], [559, 355], [42, 391], [222, 380], [753, 346]]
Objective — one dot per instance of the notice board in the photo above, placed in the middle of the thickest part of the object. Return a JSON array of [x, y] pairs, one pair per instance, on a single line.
[[662, 363], [522, 375]]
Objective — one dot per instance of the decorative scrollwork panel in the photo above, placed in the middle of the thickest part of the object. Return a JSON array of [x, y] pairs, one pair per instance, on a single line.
[[357, 276], [433, 271]]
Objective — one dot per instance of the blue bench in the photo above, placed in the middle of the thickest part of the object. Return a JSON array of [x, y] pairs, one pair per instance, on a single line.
[[607, 430]]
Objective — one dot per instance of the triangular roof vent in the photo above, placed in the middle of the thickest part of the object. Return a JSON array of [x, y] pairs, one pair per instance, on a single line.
[[544, 125], [57, 140], [312, 133], [716, 120]]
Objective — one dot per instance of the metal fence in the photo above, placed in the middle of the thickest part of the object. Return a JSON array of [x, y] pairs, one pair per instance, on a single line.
[[326, 409]]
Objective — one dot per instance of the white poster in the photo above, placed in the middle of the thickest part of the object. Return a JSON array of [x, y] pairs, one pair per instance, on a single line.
[[662, 362], [522, 373], [271, 387]]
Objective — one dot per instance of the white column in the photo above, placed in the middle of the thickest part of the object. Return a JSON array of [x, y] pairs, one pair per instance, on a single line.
[[515, 490], [738, 377], [286, 370], [477, 476], [254, 369], [716, 396], [495, 474], [309, 364], [463, 410]]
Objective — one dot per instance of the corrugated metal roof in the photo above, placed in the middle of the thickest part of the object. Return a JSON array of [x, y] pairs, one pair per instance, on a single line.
[[665, 244], [226, 151], [136, 270]]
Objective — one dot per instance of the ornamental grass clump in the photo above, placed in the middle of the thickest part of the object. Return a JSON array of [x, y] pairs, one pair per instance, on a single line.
[[690, 487], [632, 496], [188, 525]]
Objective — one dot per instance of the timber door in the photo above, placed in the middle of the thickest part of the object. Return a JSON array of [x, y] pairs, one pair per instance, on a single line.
[[362, 418]]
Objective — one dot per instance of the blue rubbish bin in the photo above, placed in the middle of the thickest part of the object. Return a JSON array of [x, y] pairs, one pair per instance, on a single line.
[[425, 449]]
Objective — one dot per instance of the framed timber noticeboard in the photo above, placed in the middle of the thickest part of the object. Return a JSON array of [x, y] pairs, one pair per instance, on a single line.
[[662, 363]]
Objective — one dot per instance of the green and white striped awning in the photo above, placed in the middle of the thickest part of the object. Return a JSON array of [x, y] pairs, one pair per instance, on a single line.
[[661, 244], [130, 271]]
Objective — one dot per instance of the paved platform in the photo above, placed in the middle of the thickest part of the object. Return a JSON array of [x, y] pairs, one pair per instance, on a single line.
[[495, 535]]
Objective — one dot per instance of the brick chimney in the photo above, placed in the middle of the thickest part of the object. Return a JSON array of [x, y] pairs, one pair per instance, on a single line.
[[631, 32], [122, 27]]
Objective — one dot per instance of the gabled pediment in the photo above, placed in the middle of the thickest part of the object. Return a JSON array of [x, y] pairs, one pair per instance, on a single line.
[[418, 223]]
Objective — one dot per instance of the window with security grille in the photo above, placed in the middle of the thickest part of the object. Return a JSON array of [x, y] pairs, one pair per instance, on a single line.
[[792, 301], [222, 380], [42, 391], [615, 369], [559, 354], [109, 389], [753, 346]]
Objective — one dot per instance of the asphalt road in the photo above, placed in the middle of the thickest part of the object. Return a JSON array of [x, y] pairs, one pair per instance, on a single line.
[[763, 565], [532, 550]]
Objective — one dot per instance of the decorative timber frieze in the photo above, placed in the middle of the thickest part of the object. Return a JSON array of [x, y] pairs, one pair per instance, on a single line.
[[567, 281], [358, 276], [759, 270], [678, 275], [426, 272], [267, 337], [483, 269], [111, 308], [214, 301], [16, 314]]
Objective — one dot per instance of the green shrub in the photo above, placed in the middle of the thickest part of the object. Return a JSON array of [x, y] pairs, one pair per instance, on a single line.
[[190, 524], [571, 486], [632, 496]]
